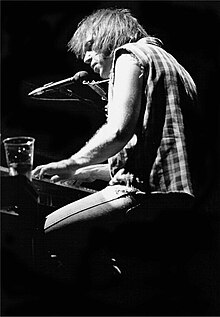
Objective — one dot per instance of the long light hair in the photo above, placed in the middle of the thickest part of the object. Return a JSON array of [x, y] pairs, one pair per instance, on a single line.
[[105, 30]]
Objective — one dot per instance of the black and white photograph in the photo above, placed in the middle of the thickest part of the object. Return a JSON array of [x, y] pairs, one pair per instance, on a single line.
[[110, 152]]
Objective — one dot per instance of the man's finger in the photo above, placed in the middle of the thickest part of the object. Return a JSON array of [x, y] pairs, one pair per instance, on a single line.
[[36, 171], [55, 178]]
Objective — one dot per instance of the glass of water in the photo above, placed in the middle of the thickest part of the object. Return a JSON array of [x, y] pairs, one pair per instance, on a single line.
[[19, 153]]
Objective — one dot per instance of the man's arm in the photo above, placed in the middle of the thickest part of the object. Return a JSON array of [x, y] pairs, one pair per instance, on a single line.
[[113, 136]]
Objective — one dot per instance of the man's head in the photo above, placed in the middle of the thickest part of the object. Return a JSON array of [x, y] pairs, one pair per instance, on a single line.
[[105, 30]]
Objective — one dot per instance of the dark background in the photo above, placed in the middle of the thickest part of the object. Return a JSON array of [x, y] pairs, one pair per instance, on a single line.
[[34, 37]]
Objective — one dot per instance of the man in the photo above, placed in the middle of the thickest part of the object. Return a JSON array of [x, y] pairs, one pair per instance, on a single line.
[[146, 141]]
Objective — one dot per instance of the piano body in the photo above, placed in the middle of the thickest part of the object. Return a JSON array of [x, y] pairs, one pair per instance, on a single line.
[[24, 206], [50, 196]]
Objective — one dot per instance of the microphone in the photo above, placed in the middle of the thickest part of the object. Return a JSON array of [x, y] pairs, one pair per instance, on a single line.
[[78, 77]]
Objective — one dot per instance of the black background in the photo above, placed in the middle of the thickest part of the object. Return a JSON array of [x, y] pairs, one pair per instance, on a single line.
[[34, 37]]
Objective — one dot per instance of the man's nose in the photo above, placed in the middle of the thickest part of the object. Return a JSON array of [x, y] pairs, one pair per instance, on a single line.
[[88, 57]]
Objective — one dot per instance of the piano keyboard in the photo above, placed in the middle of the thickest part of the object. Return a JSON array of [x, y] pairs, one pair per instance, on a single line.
[[55, 195], [66, 183]]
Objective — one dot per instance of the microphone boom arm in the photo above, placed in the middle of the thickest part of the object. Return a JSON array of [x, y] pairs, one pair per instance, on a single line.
[[94, 85]]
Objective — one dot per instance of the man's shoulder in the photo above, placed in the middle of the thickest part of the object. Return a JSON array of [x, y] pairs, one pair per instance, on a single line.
[[143, 49]]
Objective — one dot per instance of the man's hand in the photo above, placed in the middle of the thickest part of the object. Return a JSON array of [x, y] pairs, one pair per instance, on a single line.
[[55, 171], [63, 170], [91, 173]]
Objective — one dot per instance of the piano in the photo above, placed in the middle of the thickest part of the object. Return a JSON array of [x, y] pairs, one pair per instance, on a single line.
[[50, 196], [55, 195]]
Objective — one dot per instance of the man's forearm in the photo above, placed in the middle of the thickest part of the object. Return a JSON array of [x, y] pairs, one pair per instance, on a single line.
[[104, 144]]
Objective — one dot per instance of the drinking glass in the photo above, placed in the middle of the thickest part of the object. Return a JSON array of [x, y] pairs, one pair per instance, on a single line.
[[19, 153]]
